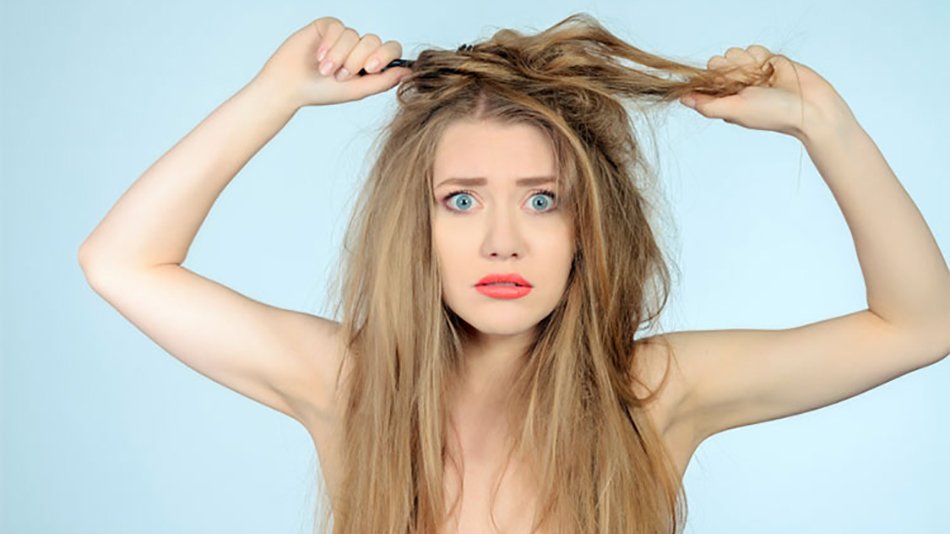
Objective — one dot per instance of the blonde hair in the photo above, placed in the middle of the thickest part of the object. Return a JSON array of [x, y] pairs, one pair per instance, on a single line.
[[598, 463]]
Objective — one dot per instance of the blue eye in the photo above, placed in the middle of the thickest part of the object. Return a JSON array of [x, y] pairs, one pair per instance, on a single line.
[[460, 201], [466, 200], [546, 200]]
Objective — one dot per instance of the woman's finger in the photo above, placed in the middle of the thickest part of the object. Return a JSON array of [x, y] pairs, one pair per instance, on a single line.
[[363, 86], [357, 57], [382, 56], [760, 53], [338, 53], [716, 62], [739, 56], [329, 30], [733, 64]]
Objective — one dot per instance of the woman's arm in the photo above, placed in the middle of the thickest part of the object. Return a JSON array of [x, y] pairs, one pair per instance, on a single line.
[[281, 358], [156, 220], [904, 271], [733, 378]]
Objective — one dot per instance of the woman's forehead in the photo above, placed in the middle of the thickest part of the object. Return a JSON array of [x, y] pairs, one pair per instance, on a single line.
[[488, 152]]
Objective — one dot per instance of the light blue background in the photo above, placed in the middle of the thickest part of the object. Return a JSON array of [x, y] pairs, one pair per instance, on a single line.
[[104, 432]]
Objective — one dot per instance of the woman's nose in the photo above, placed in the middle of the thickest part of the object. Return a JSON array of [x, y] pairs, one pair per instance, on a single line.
[[503, 237]]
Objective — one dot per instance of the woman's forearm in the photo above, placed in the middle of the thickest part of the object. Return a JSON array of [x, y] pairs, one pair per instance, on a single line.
[[904, 271], [155, 221]]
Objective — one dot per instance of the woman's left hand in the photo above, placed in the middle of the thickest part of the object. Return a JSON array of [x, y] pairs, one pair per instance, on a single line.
[[792, 101]]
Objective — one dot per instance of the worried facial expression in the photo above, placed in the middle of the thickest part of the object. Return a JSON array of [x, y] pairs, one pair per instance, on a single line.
[[496, 212]]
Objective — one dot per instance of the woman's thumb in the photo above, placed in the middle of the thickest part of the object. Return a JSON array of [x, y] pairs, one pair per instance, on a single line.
[[370, 84], [709, 106]]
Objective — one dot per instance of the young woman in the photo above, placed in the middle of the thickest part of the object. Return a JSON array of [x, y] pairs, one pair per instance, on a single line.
[[484, 373]]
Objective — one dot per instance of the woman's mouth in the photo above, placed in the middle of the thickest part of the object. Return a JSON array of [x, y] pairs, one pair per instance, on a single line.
[[503, 286], [503, 290]]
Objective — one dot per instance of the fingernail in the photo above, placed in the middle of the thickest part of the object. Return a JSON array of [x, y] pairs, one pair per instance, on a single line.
[[342, 74], [326, 67], [371, 66], [322, 54], [688, 102]]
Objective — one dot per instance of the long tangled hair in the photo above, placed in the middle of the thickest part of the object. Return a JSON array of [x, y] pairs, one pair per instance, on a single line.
[[597, 462]]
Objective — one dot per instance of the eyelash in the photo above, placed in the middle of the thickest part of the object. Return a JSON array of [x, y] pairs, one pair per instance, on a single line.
[[547, 192]]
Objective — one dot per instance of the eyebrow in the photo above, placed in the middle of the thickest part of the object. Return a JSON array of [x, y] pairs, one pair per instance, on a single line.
[[481, 180]]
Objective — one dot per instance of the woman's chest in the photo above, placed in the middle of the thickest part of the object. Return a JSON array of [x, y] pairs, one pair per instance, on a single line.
[[488, 496], [481, 493], [468, 486]]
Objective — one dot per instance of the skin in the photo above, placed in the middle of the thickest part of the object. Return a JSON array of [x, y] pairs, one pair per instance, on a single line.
[[498, 227], [727, 378]]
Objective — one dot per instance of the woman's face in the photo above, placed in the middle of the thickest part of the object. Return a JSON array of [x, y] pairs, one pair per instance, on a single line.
[[502, 222]]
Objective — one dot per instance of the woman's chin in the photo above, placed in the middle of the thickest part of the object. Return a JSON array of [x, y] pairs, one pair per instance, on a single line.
[[499, 326]]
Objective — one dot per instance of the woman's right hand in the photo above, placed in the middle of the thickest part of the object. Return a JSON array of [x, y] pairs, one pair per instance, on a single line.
[[293, 71]]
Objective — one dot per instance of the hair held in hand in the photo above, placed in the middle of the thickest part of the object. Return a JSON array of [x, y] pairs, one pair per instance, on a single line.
[[598, 463], [577, 59]]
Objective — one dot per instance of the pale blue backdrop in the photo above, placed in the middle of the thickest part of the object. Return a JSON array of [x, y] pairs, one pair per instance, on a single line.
[[104, 432]]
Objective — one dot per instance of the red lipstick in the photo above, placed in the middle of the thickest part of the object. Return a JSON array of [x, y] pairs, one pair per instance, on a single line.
[[503, 286]]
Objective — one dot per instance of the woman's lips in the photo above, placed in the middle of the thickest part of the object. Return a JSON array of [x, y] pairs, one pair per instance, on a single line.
[[501, 278], [499, 291]]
